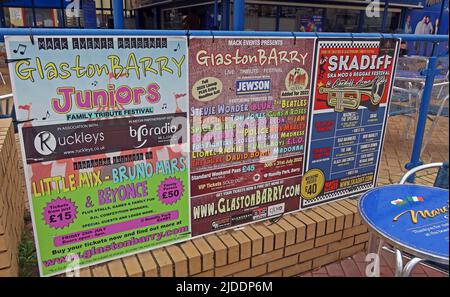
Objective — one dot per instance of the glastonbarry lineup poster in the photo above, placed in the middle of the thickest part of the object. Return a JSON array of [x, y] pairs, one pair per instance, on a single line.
[[248, 115], [352, 89], [102, 142]]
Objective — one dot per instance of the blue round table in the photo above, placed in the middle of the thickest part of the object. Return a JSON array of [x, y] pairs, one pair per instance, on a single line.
[[411, 218]]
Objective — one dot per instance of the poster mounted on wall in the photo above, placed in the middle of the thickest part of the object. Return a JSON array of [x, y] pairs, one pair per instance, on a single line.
[[352, 90], [104, 144], [248, 116]]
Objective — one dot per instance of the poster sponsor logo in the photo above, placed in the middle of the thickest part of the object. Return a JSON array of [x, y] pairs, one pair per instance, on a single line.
[[297, 79], [254, 86], [144, 131], [259, 213], [222, 223], [276, 209], [46, 143]]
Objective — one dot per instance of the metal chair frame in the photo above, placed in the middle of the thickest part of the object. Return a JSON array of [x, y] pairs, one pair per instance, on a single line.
[[375, 242]]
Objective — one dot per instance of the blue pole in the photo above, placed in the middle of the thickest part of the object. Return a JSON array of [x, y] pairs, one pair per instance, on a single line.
[[33, 9], [441, 13], [158, 17], [137, 19], [118, 14], [385, 16], [423, 114], [216, 12], [362, 14], [238, 15], [2, 17], [277, 20], [225, 23], [403, 19]]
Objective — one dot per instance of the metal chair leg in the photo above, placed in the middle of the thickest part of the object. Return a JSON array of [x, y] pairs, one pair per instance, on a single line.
[[380, 247], [373, 243], [398, 263], [410, 266]]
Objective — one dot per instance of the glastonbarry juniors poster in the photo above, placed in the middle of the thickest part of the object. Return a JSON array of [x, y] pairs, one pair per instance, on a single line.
[[353, 81], [103, 144], [248, 116]]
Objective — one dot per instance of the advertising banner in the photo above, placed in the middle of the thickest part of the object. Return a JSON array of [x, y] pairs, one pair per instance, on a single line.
[[131, 143], [104, 144], [352, 89], [248, 116]]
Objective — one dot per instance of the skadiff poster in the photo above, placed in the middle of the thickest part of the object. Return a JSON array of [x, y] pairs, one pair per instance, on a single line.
[[349, 109]]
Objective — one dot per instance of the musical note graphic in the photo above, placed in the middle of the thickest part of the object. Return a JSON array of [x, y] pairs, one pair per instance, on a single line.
[[94, 83], [47, 115], [21, 49], [178, 47], [164, 106]]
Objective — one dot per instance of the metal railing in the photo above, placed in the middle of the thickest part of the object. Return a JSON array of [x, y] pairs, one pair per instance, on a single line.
[[429, 73]]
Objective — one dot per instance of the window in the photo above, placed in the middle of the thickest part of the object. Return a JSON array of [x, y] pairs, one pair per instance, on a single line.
[[71, 20], [260, 17], [18, 17], [104, 13], [373, 24], [301, 19], [172, 19], [47, 17], [341, 20], [199, 17]]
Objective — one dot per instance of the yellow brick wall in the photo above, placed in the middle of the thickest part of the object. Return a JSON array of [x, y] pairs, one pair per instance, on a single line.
[[12, 201]]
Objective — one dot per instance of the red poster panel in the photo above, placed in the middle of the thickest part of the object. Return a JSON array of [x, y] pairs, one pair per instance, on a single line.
[[248, 117], [352, 90]]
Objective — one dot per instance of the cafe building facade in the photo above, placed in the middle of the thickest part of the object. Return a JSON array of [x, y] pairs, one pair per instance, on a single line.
[[260, 15], [266, 15]]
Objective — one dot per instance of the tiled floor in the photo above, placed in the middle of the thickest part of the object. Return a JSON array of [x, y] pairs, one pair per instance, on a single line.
[[355, 266], [397, 150]]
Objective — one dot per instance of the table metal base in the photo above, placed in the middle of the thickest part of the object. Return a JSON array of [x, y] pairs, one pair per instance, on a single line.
[[376, 245]]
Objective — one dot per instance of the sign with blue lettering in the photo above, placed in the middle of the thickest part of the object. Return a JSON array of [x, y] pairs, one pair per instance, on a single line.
[[348, 115], [411, 217]]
